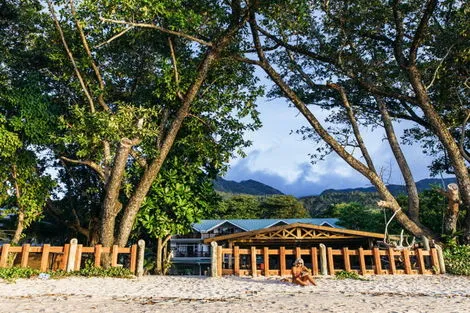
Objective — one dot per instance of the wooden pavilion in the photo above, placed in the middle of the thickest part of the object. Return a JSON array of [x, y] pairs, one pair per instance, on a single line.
[[326, 250], [299, 235]]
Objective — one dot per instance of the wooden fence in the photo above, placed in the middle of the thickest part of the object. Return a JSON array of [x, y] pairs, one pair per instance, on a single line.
[[68, 257], [327, 261]]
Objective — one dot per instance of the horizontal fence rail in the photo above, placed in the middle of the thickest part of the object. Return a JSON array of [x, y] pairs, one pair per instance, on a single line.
[[327, 261], [69, 257]]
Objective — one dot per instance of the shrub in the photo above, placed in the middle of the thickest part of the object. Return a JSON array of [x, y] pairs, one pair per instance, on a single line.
[[13, 273], [457, 259], [350, 275]]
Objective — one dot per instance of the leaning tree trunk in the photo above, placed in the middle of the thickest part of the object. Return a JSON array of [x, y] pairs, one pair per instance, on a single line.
[[452, 212]]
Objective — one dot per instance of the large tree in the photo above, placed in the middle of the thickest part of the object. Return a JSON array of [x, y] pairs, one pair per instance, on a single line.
[[25, 118], [370, 62], [134, 85]]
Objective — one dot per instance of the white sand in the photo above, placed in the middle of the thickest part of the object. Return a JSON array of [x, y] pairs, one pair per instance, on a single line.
[[440, 293]]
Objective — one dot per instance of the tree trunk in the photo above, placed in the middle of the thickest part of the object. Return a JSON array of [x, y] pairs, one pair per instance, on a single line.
[[413, 197], [159, 258], [452, 213], [133, 206], [390, 202], [19, 229], [441, 130], [111, 204]]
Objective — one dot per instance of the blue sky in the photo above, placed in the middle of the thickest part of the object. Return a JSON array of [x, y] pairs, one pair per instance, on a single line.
[[281, 160]]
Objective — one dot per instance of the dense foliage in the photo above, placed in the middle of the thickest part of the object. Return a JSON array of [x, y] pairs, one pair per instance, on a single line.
[[247, 206], [457, 258]]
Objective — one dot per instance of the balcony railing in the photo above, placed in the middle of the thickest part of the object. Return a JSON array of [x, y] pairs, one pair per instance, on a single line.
[[182, 254]]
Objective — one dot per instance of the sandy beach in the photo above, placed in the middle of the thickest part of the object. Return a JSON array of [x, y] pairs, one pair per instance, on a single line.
[[439, 293]]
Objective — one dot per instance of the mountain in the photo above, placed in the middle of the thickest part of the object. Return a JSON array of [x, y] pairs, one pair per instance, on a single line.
[[422, 185], [368, 196], [249, 187]]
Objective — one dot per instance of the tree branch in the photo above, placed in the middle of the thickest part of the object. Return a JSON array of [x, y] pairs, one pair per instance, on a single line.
[[355, 127], [153, 26], [88, 52], [175, 68], [88, 163], [72, 59], [114, 37], [422, 27]]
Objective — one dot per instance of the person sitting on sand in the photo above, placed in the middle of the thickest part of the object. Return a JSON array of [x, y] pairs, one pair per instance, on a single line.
[[301, 274]]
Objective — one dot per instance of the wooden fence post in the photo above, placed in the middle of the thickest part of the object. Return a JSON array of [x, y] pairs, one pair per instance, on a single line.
[[236, 260], [266, 261], [377, 261], [214, 260], [25, 255], [45, 257], [220, 261], [4, 256], [140, 258], [406, 260], [78, 257], [133, 261], [323, 263], [362, 261], [347, 263], [114, 255], [98, 249], [391, 261], [440, 257], [331, 263], [72, 254], [435, 261], [420, 257], [313, 256], [282, 260], [254, 272]]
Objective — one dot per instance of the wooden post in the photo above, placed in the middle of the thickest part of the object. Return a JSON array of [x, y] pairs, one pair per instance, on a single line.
[[440, 256], [331, 265], [297, 253], [314, 257], [420, 257], [65, 257], [406, 259], [4, 256], [140, 258], [253, 262], [25, 255], [230, 262], [98, 249], [391, 261], [377, 262], [214, 260], [236, 260], [266, 261], [72, 255], [78, 257], [362, 261], [282, 260], [347, 263], [45, 257], [159, 257], [323, 262], [426, 247], [220, 260], [435, 261], [133, 258], [114, 255]]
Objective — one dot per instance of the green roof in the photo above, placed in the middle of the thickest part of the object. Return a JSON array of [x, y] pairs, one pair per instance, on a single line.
[[205, 226]]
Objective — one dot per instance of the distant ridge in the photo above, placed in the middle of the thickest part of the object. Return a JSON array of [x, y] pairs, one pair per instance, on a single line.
[[422, 185], [249, 187]]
